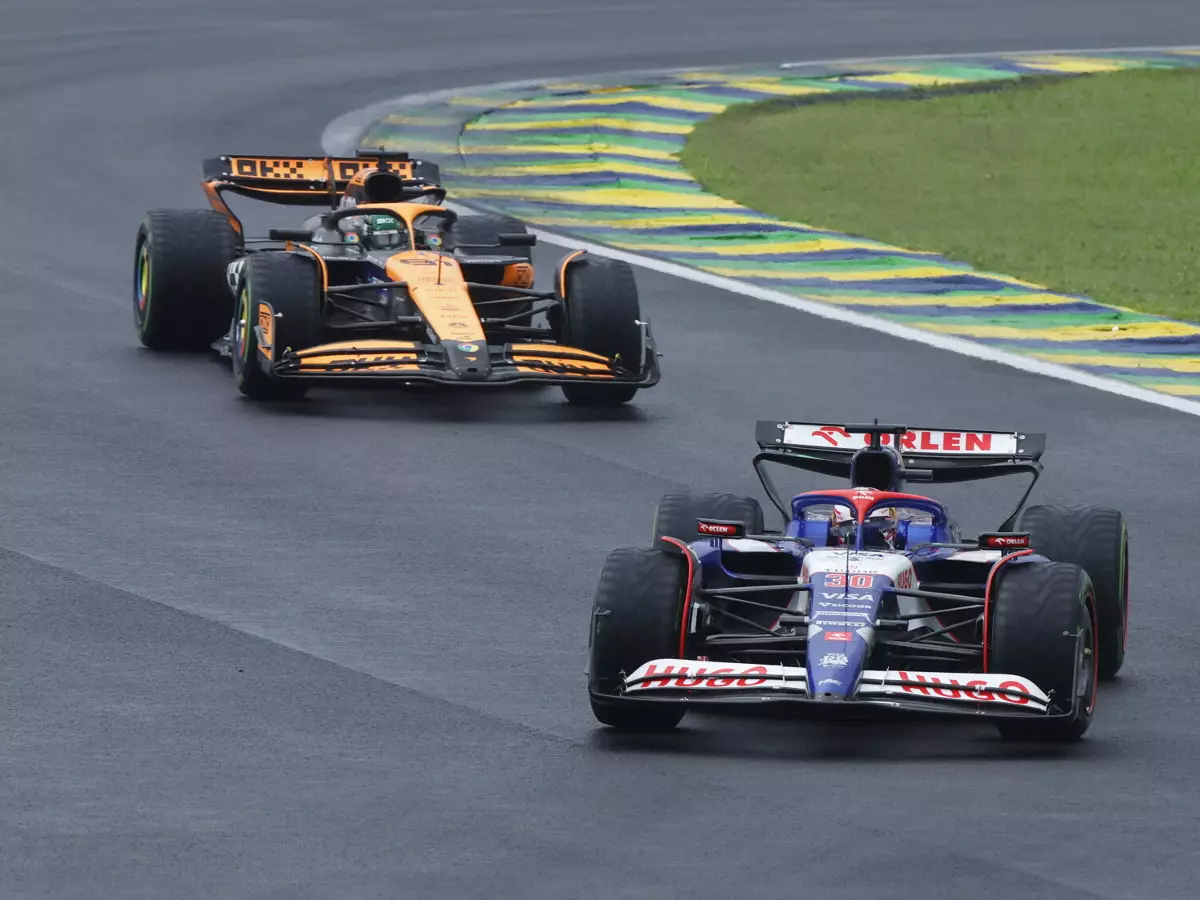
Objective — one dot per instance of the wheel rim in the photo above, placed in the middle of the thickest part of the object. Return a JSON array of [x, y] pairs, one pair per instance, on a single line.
[[241, 327], [1089, 670], [143, 280]]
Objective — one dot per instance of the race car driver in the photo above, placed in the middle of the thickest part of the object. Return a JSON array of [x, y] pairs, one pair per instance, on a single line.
[[878, 529]]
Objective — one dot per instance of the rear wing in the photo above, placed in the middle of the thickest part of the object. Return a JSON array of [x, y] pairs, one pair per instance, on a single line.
[[307, 180], [887, 456]]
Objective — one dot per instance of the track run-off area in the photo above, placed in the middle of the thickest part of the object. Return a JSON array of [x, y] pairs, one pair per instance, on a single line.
[[336, 649]]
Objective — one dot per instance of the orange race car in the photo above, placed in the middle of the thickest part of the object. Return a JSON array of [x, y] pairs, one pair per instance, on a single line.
[[386, 283]]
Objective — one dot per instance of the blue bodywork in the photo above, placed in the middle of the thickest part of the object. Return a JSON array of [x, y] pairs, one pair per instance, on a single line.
[[844, 604]]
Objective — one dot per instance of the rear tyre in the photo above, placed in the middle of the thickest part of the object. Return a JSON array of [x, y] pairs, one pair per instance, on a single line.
[[292, 286], [677, 513], [481, 236], [181, 299], [1043, 628], [1096, 539], [483, 231], [636, 617], [600, 313]]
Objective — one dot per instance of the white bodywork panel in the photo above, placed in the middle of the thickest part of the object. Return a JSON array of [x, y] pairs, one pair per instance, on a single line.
[[994, 689]]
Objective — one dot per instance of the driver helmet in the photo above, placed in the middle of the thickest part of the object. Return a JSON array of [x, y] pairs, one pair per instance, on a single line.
[[375, 231], [879, 528]]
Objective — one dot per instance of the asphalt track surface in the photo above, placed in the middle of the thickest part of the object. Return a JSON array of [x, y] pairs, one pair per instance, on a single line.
[[337, 650]]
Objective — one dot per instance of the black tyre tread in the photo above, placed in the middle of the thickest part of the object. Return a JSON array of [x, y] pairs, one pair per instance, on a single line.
[[602, 308], [636, 616], [1035, 608], [1091, 537], [291, 284], [189, 300], [677, 513]]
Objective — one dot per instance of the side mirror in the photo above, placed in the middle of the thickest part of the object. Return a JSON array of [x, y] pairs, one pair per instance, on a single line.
[[518, 240], [290, 234]]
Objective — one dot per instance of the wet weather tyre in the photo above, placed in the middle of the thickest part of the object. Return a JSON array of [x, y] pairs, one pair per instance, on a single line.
[[1095, 538], [677, 513], [636, 617], [1042, 627], [600, 312], [291, 285], [181, 299]]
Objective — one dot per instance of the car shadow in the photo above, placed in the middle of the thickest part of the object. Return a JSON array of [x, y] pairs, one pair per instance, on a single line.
[[729, 737], [520, 404], [542, 405]]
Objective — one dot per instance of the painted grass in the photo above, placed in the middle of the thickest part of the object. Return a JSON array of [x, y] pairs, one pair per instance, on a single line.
[[1089, 185]]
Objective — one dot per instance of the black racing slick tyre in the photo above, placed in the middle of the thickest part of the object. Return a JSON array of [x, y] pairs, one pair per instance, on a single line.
[[181, 298], [1095, 538], [1042, 627], [600, 313], [677, 513], [636, 617], [291, 285]]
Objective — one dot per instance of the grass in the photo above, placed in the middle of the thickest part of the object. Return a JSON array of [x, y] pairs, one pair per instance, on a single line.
[[1088, 185]]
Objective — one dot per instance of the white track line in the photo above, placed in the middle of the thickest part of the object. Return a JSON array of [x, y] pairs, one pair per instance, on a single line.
[[341, 137]]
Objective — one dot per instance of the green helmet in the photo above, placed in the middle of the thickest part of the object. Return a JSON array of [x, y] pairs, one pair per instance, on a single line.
[[383, 231]]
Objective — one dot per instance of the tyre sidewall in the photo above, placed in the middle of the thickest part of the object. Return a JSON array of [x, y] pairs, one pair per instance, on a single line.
[[289, 284], [181, 300], [1034, 608], [248, 370], [636, 614], [1097, 540]]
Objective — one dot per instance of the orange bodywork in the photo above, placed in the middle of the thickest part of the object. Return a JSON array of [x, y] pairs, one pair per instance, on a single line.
[[518, 275], [593, 363], [379, 355], [435, 283], [435, 280], [266, 327]]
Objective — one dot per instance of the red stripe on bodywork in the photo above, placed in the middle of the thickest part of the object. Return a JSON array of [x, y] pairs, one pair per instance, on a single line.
[[987, 599], [687, 596]]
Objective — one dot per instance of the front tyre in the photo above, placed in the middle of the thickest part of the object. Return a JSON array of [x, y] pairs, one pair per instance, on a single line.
[[1096, 539], [636, 617], [600, 313], [1043, 627], [291, 286], [181, 299]]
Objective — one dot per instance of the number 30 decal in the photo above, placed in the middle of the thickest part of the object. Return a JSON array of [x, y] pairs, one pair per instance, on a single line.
[[837, 579]]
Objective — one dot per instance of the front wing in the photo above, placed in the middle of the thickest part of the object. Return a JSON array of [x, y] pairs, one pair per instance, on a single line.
[[463, 363], [719, 683]]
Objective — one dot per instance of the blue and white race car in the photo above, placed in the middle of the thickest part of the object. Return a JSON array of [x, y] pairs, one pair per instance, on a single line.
[[870, 600]]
